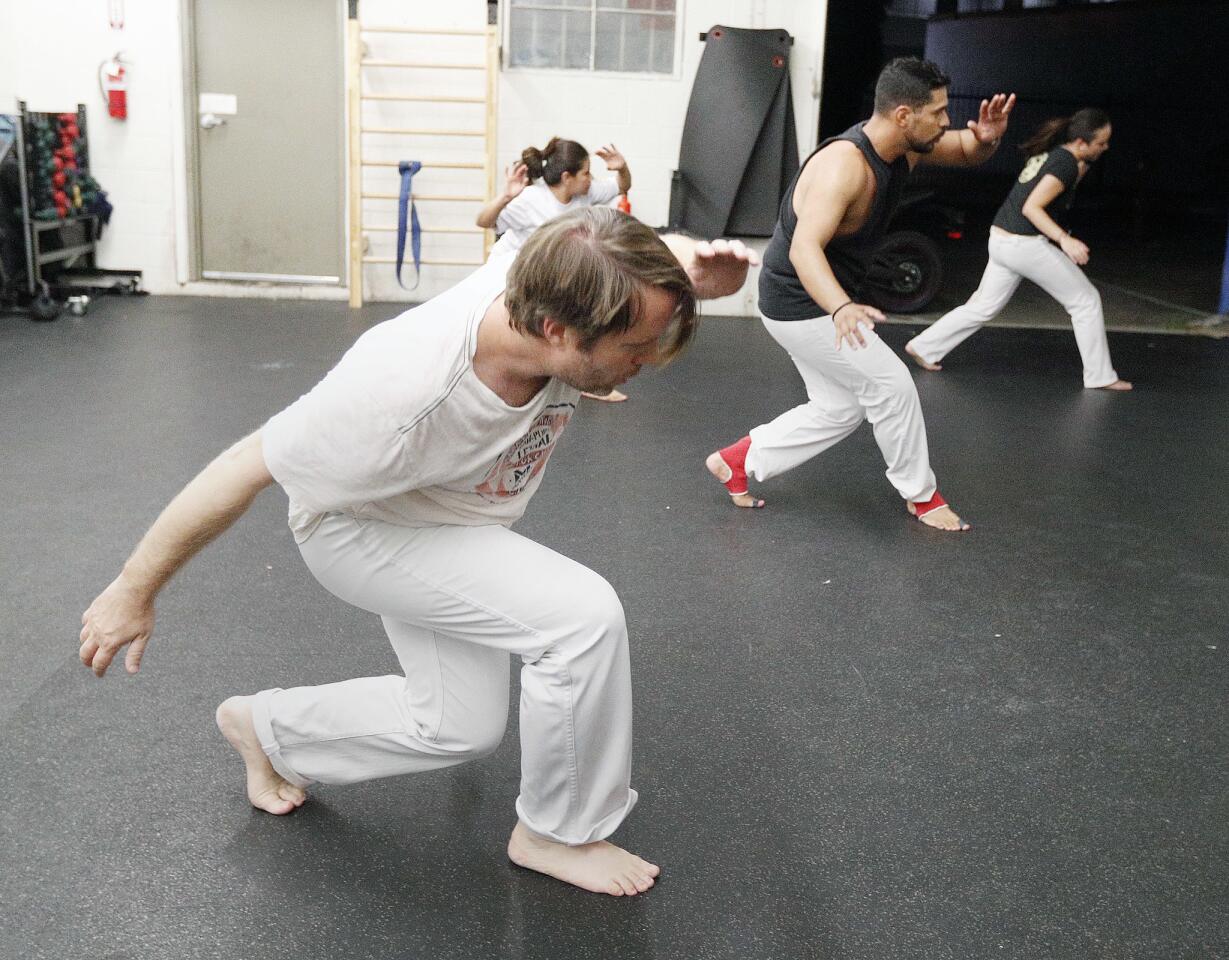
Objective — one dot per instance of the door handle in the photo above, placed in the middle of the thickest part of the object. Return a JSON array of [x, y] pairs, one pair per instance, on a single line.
[[211, 120]]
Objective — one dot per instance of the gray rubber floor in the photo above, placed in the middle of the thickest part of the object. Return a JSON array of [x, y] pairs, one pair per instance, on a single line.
[[856, 738], [1165, 281], [1131, 304]]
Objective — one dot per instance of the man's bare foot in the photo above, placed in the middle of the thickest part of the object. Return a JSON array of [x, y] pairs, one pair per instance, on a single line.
[[615, 396], [1118, 385], [941, 518], [921, 361], [721, 470], [267, 789], [599, 867]]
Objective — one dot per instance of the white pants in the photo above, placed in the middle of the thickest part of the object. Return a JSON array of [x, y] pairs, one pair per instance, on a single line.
[[455, 602], [1013, 257], [845, 387]]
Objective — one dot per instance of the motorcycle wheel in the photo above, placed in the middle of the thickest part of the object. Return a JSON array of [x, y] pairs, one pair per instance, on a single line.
[[906, 272]]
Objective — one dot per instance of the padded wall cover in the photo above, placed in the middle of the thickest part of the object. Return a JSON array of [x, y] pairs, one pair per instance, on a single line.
[[739, 149]]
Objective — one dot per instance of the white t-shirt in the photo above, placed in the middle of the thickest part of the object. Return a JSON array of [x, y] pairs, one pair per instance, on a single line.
[[534, 205], [402, 430]]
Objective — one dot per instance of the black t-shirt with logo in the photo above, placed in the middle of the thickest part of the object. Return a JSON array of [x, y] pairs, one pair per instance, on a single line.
[[1059, 161]]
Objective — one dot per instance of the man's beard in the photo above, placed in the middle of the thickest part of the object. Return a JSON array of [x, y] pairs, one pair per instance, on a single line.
[[587, 380], [589, 384], [925, 146]]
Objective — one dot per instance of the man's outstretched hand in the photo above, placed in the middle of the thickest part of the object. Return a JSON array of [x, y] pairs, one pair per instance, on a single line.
[[119, 616], [718, 268], [992, 117]]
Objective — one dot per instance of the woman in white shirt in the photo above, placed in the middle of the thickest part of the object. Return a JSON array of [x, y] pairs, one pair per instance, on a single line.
[[547, 183]]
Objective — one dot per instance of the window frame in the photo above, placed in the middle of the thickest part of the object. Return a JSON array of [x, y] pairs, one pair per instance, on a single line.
[[572, 6]]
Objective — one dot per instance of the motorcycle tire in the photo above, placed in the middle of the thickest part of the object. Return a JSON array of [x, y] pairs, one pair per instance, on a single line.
[[906, 272]]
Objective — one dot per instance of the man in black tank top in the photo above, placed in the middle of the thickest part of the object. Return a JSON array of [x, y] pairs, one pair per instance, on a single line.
[[832, 217]]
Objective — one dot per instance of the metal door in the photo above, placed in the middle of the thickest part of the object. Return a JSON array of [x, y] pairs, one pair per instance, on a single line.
[[270, 139]]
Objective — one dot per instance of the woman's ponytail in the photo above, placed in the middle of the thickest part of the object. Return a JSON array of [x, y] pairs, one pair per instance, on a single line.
[[1045, 136], [554, 160], [1081, 125]]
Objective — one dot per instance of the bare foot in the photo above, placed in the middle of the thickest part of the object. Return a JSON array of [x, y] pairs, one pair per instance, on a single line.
[[721, 470], [267, 789], [942, 518], [921, 361], [615, 396], [599, 867], [1118, 385]]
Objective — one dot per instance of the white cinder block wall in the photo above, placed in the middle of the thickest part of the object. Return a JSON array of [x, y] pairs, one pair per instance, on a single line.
[[49, 56], [141, 162], [644, 115]]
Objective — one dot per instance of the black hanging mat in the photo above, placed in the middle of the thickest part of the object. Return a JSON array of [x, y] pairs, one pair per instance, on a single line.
[[739, 149]]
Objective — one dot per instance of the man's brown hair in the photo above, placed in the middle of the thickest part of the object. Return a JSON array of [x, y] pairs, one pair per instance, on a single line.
[[588, 269]]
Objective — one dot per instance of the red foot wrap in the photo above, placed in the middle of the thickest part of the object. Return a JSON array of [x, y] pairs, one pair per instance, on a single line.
[[735, 457], [924, 507]]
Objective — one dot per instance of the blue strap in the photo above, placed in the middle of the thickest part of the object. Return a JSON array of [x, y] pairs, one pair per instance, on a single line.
[[408, 168]]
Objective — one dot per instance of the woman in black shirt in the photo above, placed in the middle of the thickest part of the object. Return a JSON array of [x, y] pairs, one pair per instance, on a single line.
[[1026, 241]]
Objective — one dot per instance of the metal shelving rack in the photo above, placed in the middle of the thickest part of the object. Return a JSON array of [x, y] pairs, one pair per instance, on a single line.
[[71, 241]]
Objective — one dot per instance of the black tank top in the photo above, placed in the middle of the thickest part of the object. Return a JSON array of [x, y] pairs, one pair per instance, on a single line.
[[782, 295]]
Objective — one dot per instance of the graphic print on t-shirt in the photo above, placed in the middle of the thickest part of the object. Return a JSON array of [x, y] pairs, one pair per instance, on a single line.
[[526, 458], [1035, 163]]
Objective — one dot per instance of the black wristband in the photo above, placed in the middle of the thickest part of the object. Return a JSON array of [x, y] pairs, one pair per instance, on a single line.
[[840, 308]]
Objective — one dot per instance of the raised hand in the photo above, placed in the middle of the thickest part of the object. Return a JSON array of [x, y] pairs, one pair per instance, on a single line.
[[518, 179], [991, 122], [718, 268], [611, 157]]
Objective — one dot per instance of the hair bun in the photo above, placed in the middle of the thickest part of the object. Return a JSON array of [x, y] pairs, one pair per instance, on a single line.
[[534, 162]]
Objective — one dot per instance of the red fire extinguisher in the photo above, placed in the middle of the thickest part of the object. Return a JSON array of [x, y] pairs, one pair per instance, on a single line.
[[113, 79]]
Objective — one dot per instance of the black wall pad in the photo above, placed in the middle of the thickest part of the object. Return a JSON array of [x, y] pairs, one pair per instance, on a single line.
[[739, 149]]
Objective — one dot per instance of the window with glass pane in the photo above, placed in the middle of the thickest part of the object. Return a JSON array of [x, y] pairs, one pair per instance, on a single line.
[[625, 36]]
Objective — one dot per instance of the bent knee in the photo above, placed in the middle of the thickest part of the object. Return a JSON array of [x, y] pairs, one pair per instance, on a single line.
[[896, 387], [602, 607], [825, 416], [485, 738], [477, 734], [595, 618], [1085, 306], [891, 396]]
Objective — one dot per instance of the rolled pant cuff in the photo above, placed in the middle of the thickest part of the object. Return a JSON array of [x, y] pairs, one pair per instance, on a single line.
[[599, 831], [263, 722]]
